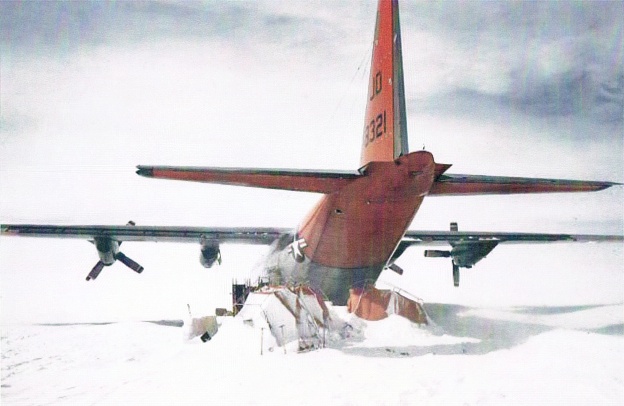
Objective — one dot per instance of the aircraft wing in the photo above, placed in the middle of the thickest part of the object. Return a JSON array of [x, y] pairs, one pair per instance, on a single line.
[[468, 248], [455, 237], [107, 239], [246, 235]]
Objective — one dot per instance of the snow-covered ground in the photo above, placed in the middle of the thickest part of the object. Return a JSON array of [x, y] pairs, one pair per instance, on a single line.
[[468, 355]]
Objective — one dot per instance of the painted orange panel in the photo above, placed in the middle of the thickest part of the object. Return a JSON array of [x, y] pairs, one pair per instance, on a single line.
[[479, 185], [305, 182], [362, 223], [378, 131]]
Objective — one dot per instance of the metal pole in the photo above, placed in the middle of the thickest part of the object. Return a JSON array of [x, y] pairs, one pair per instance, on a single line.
[[261, 339]]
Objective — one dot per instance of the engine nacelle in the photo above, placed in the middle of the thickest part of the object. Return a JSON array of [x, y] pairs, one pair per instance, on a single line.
[[210, 254], [107, 250], [467, 253]]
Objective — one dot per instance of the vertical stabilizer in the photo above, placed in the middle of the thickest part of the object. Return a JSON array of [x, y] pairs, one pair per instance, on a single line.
[[385, 131]]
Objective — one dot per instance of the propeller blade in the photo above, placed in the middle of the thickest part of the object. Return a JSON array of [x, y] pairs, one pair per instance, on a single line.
[[128, 262], [95, 271]]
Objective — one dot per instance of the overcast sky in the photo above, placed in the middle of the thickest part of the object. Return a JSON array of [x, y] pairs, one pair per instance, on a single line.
[[90, 89]]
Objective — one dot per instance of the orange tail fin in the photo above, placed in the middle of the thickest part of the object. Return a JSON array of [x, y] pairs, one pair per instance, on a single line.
[[385, 130]]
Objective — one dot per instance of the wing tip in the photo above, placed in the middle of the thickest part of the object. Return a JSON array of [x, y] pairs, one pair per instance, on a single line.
[[605, 185], [146, 171], [609, 184], [9, 230]]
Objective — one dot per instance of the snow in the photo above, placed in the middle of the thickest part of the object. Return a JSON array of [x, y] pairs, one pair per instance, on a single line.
[[467, 356]]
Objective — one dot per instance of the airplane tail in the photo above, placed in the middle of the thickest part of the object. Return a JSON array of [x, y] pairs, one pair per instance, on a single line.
[[385, 129], [384, 139]]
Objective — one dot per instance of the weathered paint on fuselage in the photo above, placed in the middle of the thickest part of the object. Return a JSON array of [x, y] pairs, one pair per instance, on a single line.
[[352, 233]]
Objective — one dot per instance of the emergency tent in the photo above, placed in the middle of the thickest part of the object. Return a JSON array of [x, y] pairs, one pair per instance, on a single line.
[[291, 315], [373, 304]]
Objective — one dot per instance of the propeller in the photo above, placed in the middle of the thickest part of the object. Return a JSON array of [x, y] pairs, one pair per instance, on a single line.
[[108, 252], [121, 257], [128, 262], [95, 271]]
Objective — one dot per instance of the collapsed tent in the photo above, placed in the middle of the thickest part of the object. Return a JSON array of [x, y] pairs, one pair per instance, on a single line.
[[373, 304], [291, 315]]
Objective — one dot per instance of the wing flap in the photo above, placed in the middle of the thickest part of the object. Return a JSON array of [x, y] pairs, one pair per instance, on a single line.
[[286, 179], [452, 185]]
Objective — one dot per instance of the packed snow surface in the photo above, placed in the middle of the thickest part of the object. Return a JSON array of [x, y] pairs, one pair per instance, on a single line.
[[466, 356]]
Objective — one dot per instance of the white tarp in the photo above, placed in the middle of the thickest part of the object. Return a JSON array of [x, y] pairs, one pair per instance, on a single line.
[[200, 326], [290, 315]]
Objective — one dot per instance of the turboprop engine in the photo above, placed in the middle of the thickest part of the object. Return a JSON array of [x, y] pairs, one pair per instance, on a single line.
[[464, 253], [209, 254], [108, 251]]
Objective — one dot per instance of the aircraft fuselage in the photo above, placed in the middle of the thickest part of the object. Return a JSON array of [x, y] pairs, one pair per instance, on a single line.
[[351, 234]]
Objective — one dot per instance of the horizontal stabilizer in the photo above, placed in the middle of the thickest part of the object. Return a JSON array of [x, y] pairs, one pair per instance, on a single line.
[[286, 179], [449, 185]]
